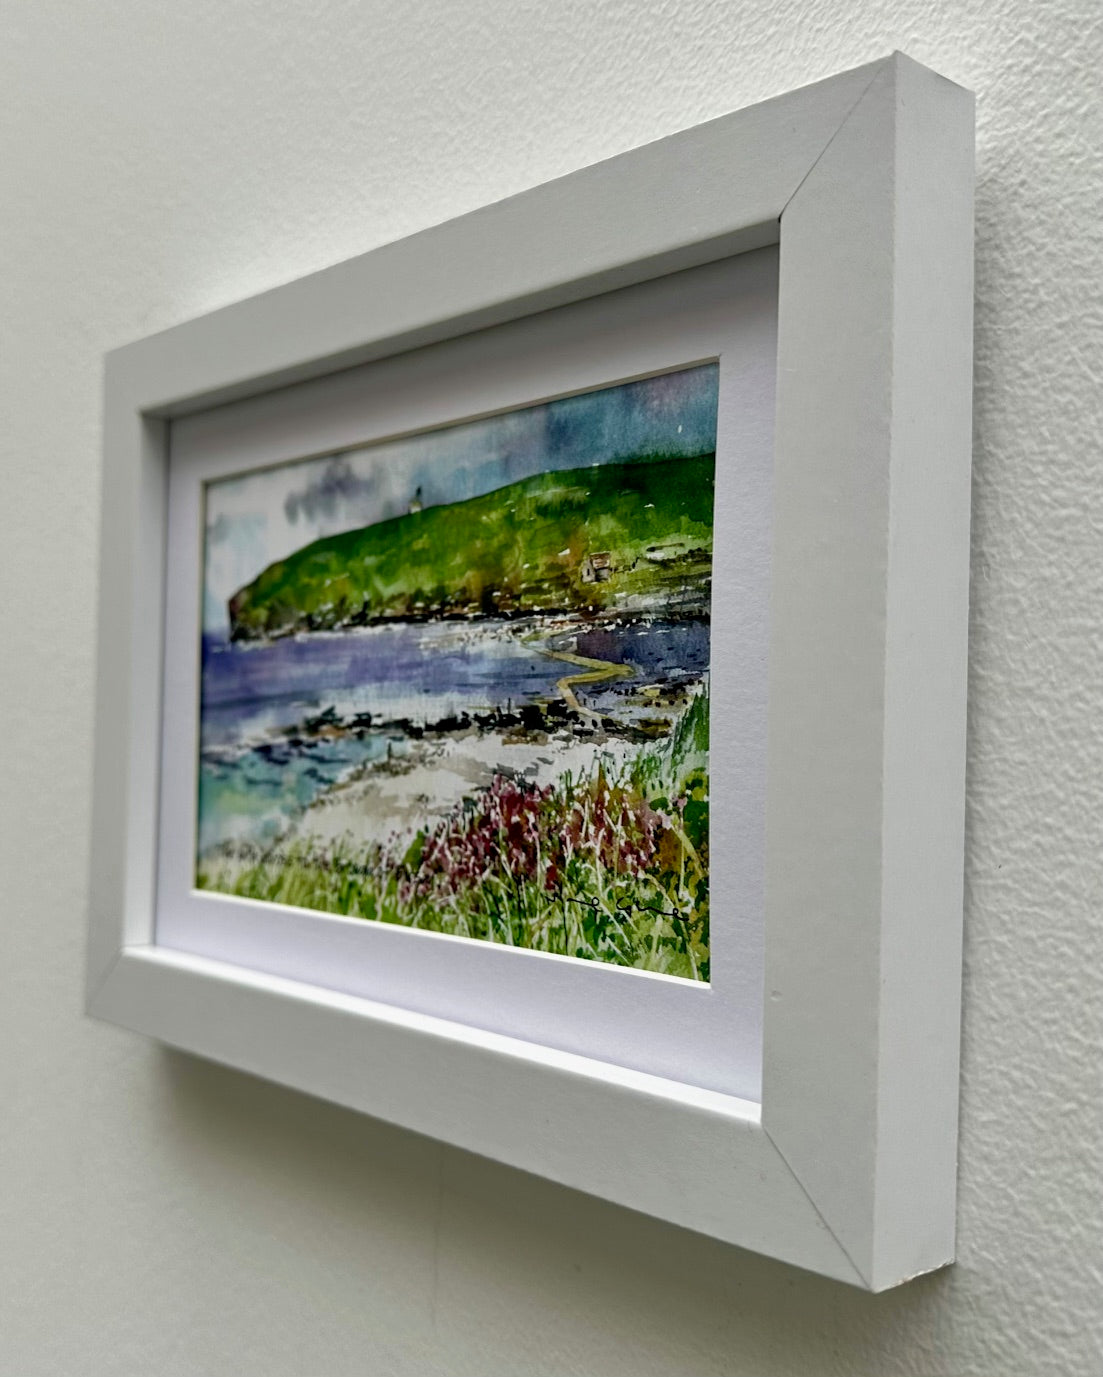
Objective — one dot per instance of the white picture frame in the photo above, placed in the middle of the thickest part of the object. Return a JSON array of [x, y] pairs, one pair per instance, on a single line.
[[703, 1033], [847, 1164]]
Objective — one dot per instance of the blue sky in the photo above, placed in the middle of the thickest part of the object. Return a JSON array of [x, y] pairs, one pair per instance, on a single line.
[[253, 520]]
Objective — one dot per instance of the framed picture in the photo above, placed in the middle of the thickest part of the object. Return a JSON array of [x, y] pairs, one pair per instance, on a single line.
[[462, 675], [532, 678]]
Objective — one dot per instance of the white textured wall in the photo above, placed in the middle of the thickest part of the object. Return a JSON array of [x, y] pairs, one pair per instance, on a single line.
[[163, 1217]]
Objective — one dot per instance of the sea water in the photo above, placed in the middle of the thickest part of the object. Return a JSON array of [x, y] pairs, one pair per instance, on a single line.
[[261, 763]]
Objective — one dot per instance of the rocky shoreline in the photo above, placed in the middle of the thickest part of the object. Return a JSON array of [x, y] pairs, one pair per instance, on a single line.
[[401, 773], [532, 721]]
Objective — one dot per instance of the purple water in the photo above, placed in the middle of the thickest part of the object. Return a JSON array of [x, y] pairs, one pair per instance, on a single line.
[[256, 772]]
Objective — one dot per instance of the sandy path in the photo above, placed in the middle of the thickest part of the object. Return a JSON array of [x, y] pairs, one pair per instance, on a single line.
[[392, 799]]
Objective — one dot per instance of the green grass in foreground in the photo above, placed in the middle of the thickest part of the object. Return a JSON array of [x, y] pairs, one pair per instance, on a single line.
[[611, 867]]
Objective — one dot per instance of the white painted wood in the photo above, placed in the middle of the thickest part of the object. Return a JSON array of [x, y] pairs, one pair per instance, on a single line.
[[848, 1167], [700, 195], [926, 673], [128, 689], [868, 673], [692, 1156]]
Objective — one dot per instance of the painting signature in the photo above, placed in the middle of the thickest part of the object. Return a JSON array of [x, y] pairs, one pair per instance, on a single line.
[[627, 909]]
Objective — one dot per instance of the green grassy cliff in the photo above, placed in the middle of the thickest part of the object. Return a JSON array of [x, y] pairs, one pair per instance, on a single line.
[[627, 534]]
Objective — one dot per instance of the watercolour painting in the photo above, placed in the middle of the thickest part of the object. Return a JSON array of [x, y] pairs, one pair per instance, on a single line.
[[459, 680]]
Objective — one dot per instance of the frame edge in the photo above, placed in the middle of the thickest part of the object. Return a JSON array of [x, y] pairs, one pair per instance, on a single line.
[[864, 932], [592, 231], [694, 1158]]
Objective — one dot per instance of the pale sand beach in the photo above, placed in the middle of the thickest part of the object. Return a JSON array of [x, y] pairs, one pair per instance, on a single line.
[[392, 799]]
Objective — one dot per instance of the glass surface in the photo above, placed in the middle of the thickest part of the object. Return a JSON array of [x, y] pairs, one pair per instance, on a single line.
[[459, 680]]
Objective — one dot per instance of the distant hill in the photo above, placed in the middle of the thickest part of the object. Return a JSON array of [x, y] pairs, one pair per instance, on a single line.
[[630, 534]]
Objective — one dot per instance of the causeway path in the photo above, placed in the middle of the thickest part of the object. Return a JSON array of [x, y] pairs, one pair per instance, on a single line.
[[595, 672]]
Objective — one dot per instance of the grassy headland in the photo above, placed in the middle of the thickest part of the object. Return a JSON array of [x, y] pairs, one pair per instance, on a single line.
[[583, 539]]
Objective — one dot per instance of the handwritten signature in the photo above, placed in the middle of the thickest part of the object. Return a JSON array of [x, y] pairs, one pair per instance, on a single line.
[[628, 909]]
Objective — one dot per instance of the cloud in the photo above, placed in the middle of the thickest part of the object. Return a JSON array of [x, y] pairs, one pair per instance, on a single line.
[[223, 527], [325, 495]]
